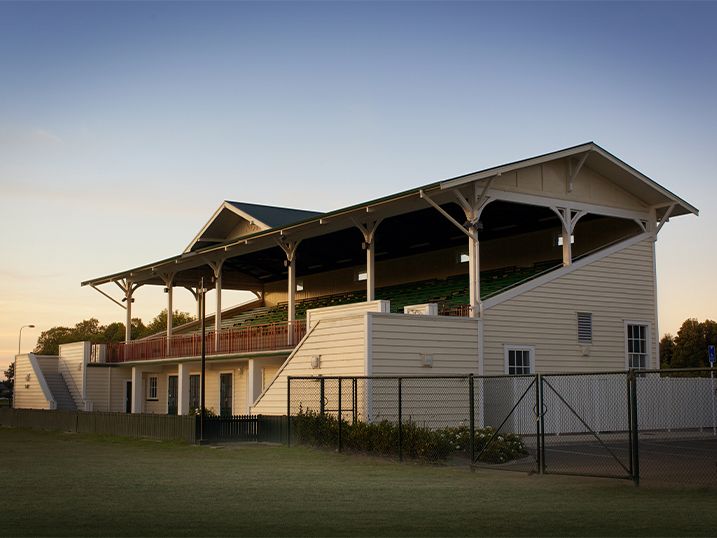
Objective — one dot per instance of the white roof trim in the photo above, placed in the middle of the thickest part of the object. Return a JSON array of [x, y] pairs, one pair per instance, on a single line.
[[222, 207], [592, 147]]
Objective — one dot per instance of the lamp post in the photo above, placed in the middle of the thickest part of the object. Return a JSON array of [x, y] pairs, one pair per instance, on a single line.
[[14, 363], [19, 340]]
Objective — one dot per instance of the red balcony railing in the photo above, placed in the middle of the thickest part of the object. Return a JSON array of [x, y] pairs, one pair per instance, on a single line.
[[275, 336]]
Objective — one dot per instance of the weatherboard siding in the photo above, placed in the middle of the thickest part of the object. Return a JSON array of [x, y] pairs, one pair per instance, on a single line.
[[617, 288], [341, 344], [28, 391], [398, 341]]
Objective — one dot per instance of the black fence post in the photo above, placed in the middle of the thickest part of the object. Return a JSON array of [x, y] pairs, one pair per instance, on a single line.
[[340, 414], [471, 404], [288, 411], [354, 402], [540, 423], [635, 429], [400, 422], [322, 407]]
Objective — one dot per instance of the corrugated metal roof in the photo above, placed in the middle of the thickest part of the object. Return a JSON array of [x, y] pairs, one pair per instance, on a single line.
[[274, 216]]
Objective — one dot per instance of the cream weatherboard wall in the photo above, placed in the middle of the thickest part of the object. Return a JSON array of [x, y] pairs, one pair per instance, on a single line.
[[72, 364], [31, 392], [336, 344], [106, 387], [616, 289], [398, 344]]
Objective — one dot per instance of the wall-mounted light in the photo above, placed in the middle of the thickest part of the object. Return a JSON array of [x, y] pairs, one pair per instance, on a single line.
[[316, 361], [426, 360]]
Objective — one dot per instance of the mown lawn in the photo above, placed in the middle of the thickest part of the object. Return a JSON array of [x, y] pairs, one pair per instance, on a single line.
[[70, 484]]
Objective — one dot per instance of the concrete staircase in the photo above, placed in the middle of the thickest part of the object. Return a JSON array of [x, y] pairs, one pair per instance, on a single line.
[[60, 392]]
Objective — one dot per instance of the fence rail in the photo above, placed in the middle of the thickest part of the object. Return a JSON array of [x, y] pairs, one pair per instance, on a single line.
[[270, 337], [238, 428], [162, 427]]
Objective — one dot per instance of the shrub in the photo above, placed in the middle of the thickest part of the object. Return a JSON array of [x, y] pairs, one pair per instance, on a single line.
[[418, 442]]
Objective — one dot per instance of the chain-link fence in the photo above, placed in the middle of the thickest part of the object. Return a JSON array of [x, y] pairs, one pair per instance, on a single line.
[[677, 421], [658, 425]]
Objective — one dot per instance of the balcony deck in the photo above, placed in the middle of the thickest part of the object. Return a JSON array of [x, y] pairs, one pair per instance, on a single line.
[[252, 338]]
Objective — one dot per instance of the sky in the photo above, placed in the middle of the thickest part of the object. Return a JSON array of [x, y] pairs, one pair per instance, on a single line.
[[123, 125]]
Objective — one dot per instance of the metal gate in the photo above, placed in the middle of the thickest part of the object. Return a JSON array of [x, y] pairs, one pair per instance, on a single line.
[[588, 424]]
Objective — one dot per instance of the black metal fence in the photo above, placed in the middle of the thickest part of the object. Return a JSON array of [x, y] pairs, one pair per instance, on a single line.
[[242, 428], [657, 425]]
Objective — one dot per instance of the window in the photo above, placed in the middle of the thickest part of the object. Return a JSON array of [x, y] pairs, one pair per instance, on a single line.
[[636, 343], [152, 387], [585, 328], [519, 360]]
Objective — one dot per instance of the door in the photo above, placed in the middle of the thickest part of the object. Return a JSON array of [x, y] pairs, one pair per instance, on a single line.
[[128, 397], [194, 389], [172, 384], [225, 395]]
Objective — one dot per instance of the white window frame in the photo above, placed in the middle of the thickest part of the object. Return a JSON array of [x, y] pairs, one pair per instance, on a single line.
[[507, 348], [648, 342], [154, 398]]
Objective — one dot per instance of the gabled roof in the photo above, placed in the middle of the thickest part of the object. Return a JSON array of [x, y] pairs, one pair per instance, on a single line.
[[314, 224], [273, 216], [233, 220]]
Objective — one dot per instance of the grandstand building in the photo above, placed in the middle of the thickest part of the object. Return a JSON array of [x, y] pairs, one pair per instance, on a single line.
[[545, 264]]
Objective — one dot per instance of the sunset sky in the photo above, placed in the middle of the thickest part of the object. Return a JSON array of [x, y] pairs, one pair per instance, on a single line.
[[124, 125]]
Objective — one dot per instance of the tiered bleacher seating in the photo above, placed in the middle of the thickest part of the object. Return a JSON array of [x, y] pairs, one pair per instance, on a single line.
[[448, 292]]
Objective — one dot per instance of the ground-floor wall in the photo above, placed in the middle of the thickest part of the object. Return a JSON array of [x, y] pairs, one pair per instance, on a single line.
[[29, 392], [109, 386]]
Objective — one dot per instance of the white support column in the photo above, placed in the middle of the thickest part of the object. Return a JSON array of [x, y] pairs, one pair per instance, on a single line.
[[292, 289], [368, 230], [473, 208], [128, 322], [253, 389], [567, 239], [289, 248], [168, 279], [183, 389], [568, 219], [137, 390], [217, 268], [474, 272]]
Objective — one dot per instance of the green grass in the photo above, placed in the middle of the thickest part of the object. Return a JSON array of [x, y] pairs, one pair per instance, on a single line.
[[70, 484]]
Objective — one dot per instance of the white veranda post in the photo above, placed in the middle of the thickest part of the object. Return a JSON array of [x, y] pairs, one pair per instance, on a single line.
[[368, 230], [217, 269], [472, 206], [289, 247], [168, 279], [568, 219]]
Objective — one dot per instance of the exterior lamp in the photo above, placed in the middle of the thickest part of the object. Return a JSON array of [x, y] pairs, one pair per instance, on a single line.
[[19, 340]]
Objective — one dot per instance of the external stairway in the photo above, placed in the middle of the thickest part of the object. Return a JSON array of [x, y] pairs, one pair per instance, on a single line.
[[60, 392]]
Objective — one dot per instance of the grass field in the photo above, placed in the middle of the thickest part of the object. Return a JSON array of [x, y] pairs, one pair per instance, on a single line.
[[70, 484]]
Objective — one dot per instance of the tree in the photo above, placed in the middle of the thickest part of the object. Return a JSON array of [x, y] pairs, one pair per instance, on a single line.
[[159, 323], [10, 378], [667, 350], [690, 349], [90, 330]]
